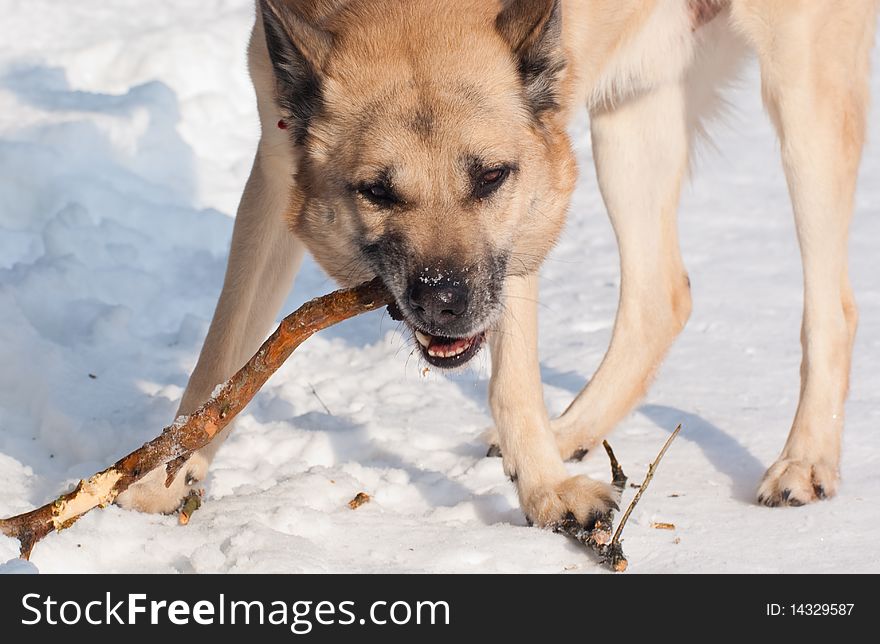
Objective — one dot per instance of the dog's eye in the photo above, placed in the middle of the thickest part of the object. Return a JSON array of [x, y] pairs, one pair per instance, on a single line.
[[380, 194], [489, 181]]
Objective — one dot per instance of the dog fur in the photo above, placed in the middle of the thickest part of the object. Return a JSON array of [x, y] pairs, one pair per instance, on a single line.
[[399, 116]]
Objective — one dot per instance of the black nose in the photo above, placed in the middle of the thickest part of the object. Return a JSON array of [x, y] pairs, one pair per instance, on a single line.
[[438, 305]]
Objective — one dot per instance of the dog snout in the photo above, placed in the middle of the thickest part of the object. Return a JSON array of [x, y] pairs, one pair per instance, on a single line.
[[438, 306]]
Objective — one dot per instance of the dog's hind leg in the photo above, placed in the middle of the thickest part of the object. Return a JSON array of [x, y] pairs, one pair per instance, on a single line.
[[263, 260], [641, 153], [548, 495], [814, 68]]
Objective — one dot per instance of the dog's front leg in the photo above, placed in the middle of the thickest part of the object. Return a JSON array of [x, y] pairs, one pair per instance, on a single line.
[[531, 458], [263, 260], [821, 127]]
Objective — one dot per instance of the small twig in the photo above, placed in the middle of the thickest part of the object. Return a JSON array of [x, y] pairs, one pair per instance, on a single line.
[[609, 548], [661, 525], [315, 394], [190, 505], [618, 478], [615, 556], [650, 475], [359, 500]]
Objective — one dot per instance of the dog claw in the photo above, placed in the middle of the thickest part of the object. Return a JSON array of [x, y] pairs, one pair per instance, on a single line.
[[595, 524], [786, 497], [578, 454], [791, 500], [794, 483], [494, 452]]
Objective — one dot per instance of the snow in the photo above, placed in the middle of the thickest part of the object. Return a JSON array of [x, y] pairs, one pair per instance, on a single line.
[[18, 567], [126, 135]]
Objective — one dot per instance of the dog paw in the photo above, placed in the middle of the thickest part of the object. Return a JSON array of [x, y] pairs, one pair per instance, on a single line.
[[797, 482], [579, 499], [150, 494]]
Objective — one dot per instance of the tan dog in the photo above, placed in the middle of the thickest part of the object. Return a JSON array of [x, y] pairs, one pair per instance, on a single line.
[[425, 141]]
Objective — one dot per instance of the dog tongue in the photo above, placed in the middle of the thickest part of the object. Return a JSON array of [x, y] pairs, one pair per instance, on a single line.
[[450, 345]]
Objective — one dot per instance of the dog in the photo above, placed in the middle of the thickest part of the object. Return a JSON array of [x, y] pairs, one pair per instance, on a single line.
[[426, 143]]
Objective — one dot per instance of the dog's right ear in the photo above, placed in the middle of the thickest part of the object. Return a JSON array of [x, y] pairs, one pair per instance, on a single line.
[[298, 48]]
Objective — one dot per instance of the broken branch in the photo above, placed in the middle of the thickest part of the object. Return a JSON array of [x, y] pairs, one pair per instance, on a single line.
[[190, 506], [614, 556], [644, 486], [190, 433], [610, 552]]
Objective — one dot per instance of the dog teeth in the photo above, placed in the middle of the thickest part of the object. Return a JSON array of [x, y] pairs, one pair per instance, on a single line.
[[450, 351], [424, 340]]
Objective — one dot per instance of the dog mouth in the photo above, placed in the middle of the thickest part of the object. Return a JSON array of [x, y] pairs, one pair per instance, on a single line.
[[448, 353], [441, 351]]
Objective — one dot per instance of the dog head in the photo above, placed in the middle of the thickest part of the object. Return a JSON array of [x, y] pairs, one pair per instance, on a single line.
[[431, 149]]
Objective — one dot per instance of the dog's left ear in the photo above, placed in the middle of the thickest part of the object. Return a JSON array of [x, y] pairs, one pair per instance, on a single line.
[[533, 29]]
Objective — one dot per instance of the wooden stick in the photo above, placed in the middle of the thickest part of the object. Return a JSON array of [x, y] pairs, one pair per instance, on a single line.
[[190, 433], [644, 486], [190, 506], [618, 478], [614, 556], [598, 539]]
